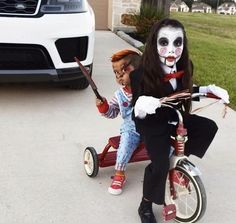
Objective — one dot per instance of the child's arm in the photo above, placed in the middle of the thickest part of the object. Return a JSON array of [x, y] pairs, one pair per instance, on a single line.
[[109, 110], [102, 106]]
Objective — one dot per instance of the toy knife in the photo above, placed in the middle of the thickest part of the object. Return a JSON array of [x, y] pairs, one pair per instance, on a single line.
[[90, 80]]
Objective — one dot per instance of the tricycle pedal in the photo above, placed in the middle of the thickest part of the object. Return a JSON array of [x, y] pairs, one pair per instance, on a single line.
[[169, 212]]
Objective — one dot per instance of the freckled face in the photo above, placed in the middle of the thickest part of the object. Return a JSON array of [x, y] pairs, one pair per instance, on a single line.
[[170, 45]]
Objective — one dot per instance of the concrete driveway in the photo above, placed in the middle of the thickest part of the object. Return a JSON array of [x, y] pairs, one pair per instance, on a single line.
[[44, 131]]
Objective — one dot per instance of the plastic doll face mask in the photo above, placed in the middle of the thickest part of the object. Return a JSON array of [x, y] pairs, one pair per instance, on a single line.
[[170, 45]]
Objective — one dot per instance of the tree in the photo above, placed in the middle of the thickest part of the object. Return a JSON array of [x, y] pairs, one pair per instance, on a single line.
[[161, 5], [189, 3], [215, 3]]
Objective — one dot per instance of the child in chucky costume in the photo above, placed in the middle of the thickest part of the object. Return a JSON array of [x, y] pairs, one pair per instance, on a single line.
[[123, 62]]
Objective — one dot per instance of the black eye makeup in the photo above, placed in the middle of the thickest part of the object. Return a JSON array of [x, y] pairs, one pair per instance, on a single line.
[[178, 42], [163, 41]]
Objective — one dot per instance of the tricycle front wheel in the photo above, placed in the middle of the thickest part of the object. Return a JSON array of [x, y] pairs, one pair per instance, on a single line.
[[91, 162], [188, 194]]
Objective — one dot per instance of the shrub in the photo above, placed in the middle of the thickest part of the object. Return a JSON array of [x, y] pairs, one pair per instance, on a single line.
[[144, 20]]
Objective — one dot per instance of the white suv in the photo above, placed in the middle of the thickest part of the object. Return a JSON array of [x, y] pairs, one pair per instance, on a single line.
[[40, 38]]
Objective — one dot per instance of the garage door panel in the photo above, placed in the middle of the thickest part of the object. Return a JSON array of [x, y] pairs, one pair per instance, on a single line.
[[100, 8]]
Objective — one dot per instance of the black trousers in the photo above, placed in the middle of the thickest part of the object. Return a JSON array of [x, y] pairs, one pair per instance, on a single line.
[[156, 136]]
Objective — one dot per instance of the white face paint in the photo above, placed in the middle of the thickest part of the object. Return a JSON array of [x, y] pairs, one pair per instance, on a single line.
[[170, 43]]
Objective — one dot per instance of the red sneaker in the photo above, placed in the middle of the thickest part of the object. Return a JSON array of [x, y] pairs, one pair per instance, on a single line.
[[117, 185]]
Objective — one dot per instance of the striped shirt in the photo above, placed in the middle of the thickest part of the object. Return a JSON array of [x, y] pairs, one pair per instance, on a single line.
[[114, 107]]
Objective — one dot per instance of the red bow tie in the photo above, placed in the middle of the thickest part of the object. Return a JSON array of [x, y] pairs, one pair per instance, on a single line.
[[167, 77]]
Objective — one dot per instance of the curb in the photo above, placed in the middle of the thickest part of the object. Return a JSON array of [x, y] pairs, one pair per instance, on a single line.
[[129, 39]]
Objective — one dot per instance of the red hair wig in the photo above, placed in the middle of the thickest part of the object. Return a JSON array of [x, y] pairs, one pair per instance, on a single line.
[[122, 54]]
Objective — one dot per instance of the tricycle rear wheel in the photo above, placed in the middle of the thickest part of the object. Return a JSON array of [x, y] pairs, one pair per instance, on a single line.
[[91, 162]]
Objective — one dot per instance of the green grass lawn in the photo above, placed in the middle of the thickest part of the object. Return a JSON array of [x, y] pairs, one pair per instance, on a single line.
[[212, 46]]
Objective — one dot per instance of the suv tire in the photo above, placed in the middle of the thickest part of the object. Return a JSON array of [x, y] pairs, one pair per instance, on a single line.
[[78, 84], [81, 83]]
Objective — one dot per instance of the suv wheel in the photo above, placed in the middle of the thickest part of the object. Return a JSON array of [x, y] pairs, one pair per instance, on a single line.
[[81, 83], [78, 84]]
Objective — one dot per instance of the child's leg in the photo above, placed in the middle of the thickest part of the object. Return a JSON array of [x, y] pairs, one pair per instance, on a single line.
[[128, 143]]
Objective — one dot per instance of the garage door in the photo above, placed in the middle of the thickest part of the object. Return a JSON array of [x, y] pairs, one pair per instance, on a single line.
[[100, 8]]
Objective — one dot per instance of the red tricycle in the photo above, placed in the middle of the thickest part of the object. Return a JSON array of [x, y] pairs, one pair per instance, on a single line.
[[185, 193], [93, 161]]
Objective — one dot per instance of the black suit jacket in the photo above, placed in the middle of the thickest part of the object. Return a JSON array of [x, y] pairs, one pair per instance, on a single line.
[[162, 114]]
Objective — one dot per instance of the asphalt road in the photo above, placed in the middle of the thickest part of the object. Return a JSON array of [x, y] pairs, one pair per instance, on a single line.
[[44, 131]]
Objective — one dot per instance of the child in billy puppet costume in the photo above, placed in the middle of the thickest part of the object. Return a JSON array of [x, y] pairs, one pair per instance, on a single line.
[[123, 62], [166, 69]]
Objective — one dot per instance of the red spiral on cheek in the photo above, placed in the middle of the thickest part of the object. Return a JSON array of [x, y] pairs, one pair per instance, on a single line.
[[178, 51], [162, 51]]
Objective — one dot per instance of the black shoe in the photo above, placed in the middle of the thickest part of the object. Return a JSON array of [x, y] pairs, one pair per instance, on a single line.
[[146, 215]]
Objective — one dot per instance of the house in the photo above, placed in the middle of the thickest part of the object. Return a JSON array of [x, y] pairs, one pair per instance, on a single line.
[[201, 7], [174, 7], [178, 6], [227, 8]]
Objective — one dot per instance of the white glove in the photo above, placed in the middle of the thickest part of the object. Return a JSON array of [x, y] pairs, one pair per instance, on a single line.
[[146, 105], [218, 91]]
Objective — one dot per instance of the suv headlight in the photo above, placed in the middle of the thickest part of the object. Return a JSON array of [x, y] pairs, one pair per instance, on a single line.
[[64, 6]]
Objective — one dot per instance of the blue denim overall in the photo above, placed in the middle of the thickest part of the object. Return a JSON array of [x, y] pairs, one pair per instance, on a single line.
[[130, 139]]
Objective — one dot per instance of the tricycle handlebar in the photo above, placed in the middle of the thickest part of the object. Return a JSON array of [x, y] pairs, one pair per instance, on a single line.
[[176, 98], [207, 95], [184, 95]]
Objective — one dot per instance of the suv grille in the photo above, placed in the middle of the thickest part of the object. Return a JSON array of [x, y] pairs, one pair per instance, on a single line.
[[23, 57], [20, 7]]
